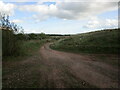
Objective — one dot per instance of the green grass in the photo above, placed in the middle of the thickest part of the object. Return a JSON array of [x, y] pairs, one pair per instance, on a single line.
[[104, 41], [27, 48], [110, 59], [31, 46]]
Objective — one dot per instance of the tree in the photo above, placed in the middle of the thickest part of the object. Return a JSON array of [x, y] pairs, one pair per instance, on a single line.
[[5, 24]]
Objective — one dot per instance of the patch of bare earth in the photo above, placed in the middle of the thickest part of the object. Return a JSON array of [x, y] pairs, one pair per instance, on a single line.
[[53, 69], [84, 67]]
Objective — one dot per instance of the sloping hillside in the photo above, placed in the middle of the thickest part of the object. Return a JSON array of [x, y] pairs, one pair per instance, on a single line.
[[104, 41]]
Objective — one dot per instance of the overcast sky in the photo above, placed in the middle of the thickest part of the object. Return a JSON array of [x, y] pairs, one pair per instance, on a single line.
[[61, 16]]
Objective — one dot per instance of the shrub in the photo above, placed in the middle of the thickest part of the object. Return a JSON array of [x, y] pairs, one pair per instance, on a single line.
[[10, 43]]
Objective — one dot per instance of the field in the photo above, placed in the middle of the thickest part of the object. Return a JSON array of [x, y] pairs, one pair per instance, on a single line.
[[105, 41], [33, 71], [77, 63], [99, 44], [31, 58]]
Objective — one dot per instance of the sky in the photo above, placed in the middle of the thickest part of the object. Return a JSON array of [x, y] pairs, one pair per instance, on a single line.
[[62, 16]]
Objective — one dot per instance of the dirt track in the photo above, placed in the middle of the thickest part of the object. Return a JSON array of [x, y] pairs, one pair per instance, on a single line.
[[54, 69], [84, 68]]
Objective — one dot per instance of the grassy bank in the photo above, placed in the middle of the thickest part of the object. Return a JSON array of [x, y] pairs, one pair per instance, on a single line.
[[104, 41], [31, 46], [27, 48]]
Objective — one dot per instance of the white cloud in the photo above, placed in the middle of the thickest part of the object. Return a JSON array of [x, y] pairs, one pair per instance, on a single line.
[[40, 17], [61, 0], [20, 0], [16, 21], [28, 30], [96, 23], [7, 8], [70, 10], [80, 10]]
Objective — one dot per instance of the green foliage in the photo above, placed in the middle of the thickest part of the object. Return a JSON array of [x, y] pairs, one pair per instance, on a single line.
[[10, 45], [104, 41], [21, 36], [31, 46], [40, 36]]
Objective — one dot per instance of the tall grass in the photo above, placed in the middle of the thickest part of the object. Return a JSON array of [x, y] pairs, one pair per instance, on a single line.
[[30, 47]]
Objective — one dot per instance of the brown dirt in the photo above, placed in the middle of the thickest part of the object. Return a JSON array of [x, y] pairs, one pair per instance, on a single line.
[[96, 73], [55, 69]]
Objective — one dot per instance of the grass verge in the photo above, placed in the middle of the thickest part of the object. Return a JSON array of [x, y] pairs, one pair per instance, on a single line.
[[28, 48]]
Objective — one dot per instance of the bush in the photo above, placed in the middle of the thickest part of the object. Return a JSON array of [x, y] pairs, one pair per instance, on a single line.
[[10, 43]]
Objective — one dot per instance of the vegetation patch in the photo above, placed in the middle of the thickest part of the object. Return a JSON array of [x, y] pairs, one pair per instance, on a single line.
[[104, 41]]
